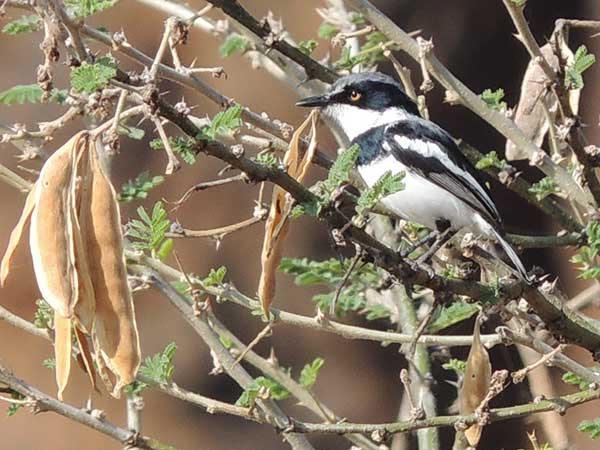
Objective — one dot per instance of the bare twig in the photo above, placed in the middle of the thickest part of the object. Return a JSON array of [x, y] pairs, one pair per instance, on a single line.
[[546, 359], [173, 163], [43, 402], [215, 233]]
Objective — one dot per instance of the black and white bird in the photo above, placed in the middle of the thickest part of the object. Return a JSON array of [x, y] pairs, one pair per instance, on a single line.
[[442, 189]]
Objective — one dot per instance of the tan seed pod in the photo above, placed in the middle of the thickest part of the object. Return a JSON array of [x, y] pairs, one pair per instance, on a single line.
[[81, 187], [115, 331], [62, 351], [16, 234], [277, 225], [475, 384], [51, 231]]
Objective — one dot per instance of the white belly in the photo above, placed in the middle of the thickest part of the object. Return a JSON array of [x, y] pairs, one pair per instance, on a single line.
[[420, 201]]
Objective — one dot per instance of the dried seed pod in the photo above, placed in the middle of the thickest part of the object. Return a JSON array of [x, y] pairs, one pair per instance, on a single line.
[[16, 234], [530, 116], [115, 332], [51, 231], [277, 225], [86, 304], [62, 351], [476, 383]]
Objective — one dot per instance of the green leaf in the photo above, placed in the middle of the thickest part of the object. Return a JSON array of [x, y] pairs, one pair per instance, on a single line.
[[226, 341], [275, 391], [586, 258], [139, 187], [215, 277], [44, 315], [310, 372], [494, 99], [135, 388], [182, 146], [330, 273], [25, 24], [357, 18], [591, 427], [346, 62], [457, 365], [491, 160], [224, 123], [149, 232], [576, 380], [370, 53], [131, 132], [29, 93], [165, 249], [452, 314], [307, 47], [376, 312], [327, 31], [88, 78], [159, 368], [543, 188], [14, 407], [519, 2], [85, 8], [339, 173], [234, 43], [49, 363], [388, 184], [574, 71], [267, 159]]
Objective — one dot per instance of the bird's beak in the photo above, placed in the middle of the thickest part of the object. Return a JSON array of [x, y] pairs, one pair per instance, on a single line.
[[313, 102]]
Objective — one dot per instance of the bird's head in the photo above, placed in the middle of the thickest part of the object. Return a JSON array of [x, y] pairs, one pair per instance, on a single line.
[[358, 102]]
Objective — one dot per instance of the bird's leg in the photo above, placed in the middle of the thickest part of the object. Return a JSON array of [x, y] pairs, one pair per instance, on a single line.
[[443, 237], [432, 236]]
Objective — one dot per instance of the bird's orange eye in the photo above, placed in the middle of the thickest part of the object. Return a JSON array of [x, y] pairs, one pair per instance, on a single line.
[[355, 96]]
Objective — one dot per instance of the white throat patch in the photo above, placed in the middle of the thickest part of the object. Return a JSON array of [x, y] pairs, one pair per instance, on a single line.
[[353, 121]]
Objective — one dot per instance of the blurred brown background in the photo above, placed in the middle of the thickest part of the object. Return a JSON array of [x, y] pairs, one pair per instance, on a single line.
[[359, 380]]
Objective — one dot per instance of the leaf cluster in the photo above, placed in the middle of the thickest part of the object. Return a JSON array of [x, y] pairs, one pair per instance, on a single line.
[[494, 99], [184, 147], [30, 93], [591, 427], [586, 258], [149, 233], [574, 71], [91, 77], [85, 8], [491, 159], [139, 187], [158, 368], [370, 53], [262, 386], [576, 380], [543, 188], [452, 314], [266, 387], [388, 184], [25, 24], [235, 43], [224, 123], [458, 366], [330, 273]]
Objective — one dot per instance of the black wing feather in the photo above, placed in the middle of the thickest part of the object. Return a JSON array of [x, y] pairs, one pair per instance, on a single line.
[[436, 170]]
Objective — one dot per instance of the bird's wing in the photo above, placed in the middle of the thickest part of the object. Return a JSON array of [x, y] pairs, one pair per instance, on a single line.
[[432, 153]]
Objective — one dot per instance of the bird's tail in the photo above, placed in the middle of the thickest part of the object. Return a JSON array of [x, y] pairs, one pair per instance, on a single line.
[[491, 231]]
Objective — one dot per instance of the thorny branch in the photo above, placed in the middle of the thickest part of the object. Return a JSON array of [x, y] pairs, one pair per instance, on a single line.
[[561, 320]]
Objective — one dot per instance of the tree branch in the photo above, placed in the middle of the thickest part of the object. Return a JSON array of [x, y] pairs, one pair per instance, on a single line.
[[43, 402], [558, 405]]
